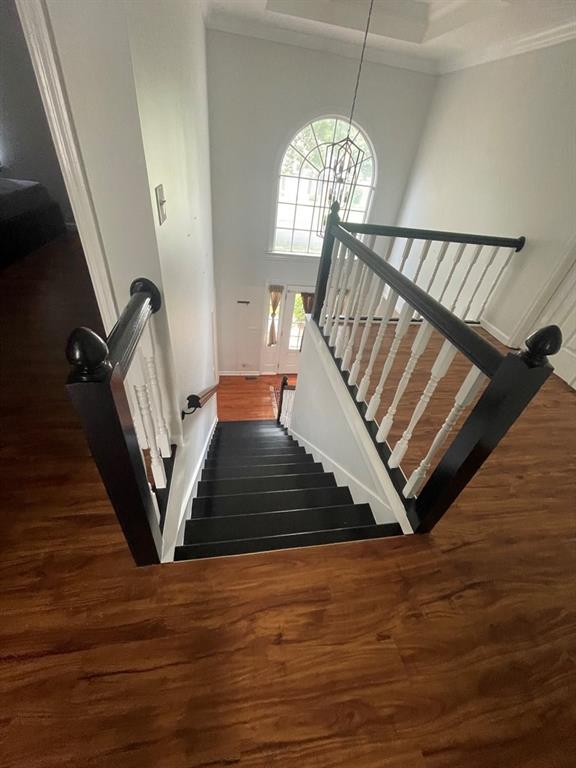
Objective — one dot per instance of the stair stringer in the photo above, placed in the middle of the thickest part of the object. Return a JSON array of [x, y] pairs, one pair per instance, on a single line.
[[326, 421]]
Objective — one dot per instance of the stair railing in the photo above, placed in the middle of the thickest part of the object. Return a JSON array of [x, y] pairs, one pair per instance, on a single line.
[[285, 403], [96, 388], [360, 296]]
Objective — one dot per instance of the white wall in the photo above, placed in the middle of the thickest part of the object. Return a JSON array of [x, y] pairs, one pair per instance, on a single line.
[[135, 78], [326, 421], [260, 94], [498, 157], [26, 147]]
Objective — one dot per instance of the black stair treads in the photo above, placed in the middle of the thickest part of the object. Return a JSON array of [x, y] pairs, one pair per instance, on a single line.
[[240, 444], [254, 449], [290, 541], [270, 458], [262, 470], [270, 501], [225, 487], [250, 430], [204, 530]]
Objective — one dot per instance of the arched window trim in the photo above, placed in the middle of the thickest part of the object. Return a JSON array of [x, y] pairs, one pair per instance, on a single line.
[[358, 129]]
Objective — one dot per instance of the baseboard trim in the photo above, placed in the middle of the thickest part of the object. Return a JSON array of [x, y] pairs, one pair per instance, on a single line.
[[178, 505], [241, 373], [498, 334]]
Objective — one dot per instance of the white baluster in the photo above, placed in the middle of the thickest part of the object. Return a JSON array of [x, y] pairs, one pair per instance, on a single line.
[[487, 266], [332, 285], [495, 283], [362, 294], [439, 370], [155, 460], [389, 307], [401, 328], [378, 290], [418, 346], [333, 291], [162, 437], [351, 260], [375, 298], [471, 264], [466, 394], [352, 305]]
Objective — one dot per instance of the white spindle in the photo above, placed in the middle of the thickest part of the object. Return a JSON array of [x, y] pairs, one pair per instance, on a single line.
[[363, 294], [350, 262], [418, 346], [287, 407], [162, 437], [495, 283], [439, 370], [389, 307], [334, 288], [376, 292], [480, 280], [466, 394], [360, 270], [155, 459], [471, 264], [334, 261], [401, 328]]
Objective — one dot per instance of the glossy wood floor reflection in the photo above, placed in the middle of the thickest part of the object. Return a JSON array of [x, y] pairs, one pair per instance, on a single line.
[[456, 650], [243, 398]]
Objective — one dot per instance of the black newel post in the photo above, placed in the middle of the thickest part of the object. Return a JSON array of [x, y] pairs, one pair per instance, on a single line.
[[96, 387], [325, 262], [283, 385], [512, 387]]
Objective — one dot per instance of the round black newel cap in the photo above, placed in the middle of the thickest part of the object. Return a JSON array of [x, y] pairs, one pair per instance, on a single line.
[[335, 207], [547, 341], [87, 353], [143, 285]]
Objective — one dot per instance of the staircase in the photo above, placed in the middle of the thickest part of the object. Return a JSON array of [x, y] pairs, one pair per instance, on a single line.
[[261, 491]]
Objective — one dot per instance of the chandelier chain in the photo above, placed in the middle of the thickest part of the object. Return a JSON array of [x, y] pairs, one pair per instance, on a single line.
[[360, 66]]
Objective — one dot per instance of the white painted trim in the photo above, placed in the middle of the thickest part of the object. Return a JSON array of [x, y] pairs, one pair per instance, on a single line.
[[530, 317], [39, 38], [532, 42], [370, 455], [241, 373], [179, 499], [496, 332]]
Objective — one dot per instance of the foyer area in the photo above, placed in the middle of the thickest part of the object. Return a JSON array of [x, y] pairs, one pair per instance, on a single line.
[[436, 651]]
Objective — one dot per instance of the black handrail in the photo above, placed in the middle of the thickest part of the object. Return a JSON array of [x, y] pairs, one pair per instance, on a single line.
[[95, 386], [477, 350], [435, 235]]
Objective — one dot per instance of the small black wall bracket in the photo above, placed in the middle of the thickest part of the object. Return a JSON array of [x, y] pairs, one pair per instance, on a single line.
[[193, 404]]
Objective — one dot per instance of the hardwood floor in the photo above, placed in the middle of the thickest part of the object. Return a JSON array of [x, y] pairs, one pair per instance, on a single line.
[[455, 650], [245, 399]]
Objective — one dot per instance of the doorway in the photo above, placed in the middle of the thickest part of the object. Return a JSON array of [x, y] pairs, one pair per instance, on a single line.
[[296, 312]]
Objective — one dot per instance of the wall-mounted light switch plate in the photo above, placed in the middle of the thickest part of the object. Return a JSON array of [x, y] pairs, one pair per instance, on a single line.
[[160, 203]]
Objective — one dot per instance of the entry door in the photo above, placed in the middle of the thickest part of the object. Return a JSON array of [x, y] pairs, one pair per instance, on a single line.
[[291, 331]]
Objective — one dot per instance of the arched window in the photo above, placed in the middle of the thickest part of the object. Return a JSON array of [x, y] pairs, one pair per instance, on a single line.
[[305, 173]]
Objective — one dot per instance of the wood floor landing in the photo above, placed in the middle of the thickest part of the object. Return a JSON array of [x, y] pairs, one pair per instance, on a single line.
[[456, 650]]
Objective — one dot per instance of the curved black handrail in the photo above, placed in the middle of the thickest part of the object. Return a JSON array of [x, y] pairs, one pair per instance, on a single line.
[[474, 347], [430, 234], [91, 356]]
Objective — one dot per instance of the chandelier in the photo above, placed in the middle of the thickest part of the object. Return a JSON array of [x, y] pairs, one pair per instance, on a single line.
[[343, 159]]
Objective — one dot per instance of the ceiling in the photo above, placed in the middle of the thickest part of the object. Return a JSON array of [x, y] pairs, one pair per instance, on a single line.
[[426, 35]]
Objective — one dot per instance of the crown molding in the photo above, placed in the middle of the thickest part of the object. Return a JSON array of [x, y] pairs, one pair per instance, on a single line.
[[560, 34]]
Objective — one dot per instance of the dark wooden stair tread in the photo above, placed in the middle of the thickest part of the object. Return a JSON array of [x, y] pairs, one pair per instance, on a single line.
[[260, 490], [224, 487], [289, 541], [232, 528]]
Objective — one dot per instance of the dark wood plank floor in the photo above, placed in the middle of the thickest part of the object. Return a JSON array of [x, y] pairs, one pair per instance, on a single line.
[[456, 650]]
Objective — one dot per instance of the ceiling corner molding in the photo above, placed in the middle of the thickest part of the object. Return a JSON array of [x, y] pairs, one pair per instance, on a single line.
[[560, 34]]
